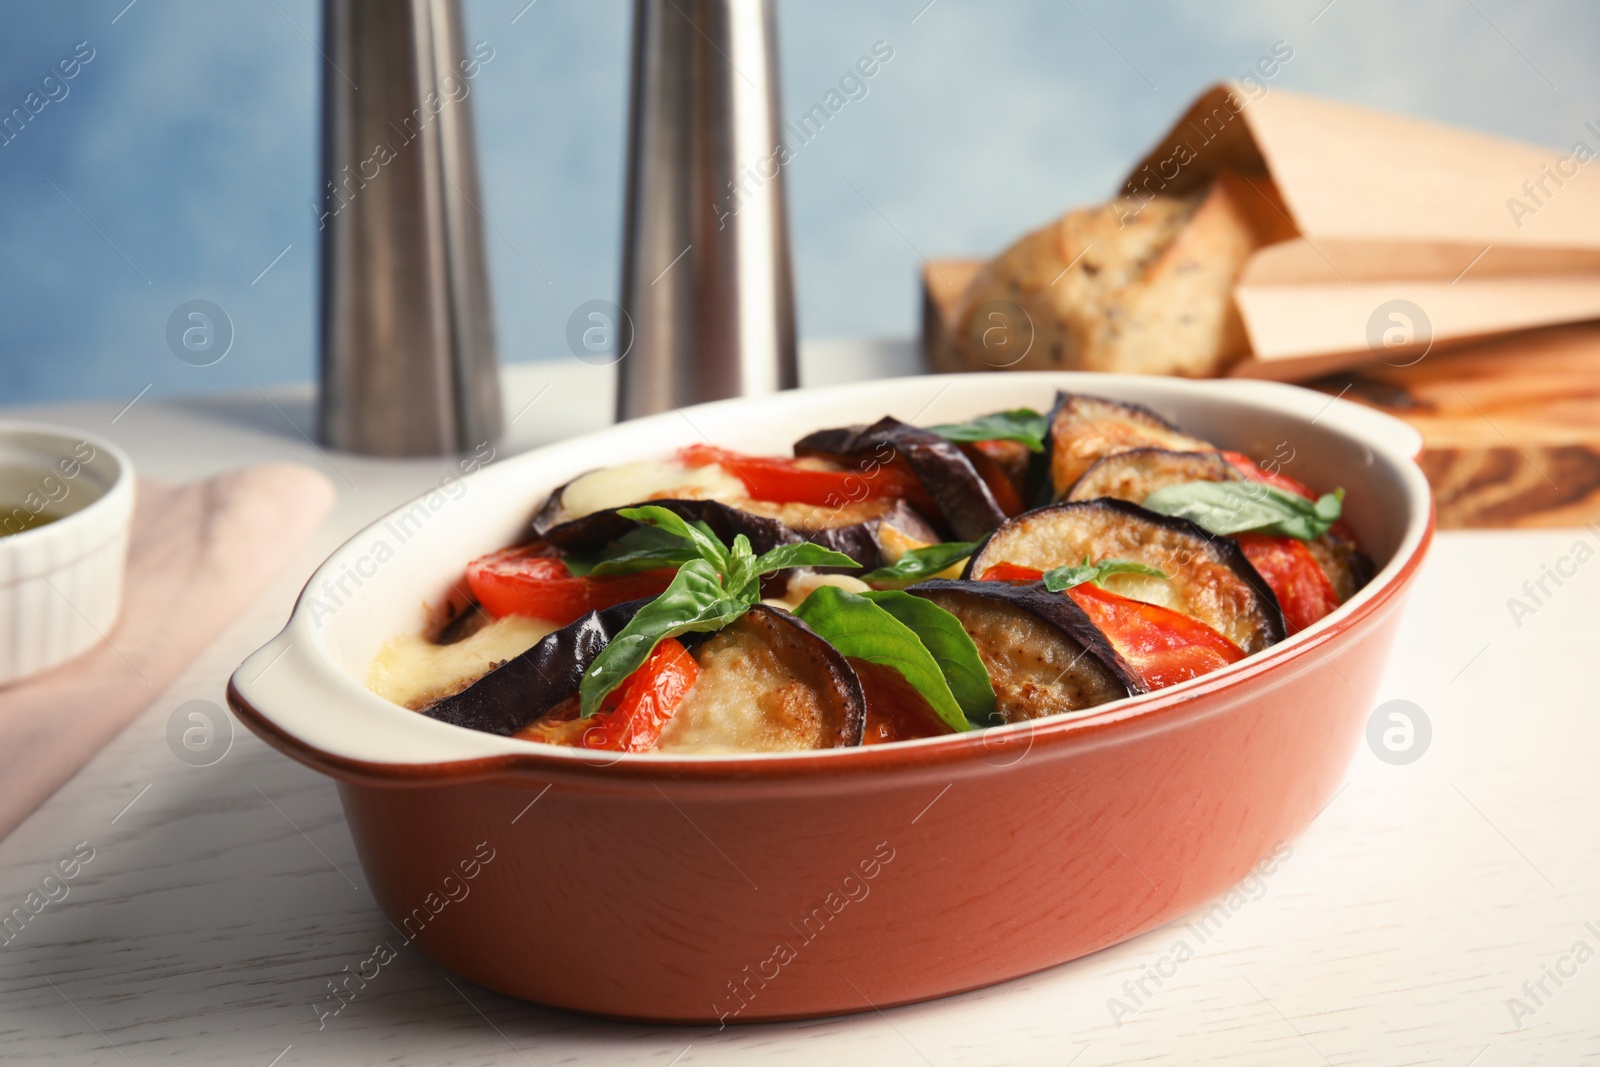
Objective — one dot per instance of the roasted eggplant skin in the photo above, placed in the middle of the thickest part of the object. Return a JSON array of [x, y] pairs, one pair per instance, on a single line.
[[964, 501], [863, 541], [520, 690], [598, 529], [1136, 473], [1082, 429], [1209, 575], [1094, 674], [832, 714], [1347, 567], [860, 538]]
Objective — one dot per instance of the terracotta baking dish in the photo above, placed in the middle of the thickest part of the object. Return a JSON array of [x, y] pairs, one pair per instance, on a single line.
[[780, 886]]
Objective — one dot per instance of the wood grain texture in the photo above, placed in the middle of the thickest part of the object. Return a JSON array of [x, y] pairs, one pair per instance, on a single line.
[[1511, 425]]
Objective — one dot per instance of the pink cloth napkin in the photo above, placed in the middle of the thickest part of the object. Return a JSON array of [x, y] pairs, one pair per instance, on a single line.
[[199, 555]]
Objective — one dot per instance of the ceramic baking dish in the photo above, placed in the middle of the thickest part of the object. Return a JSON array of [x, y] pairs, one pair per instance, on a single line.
[[739, 888]]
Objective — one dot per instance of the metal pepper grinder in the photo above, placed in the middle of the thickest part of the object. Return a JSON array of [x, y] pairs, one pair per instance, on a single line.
[[408, 356], [706, 277]]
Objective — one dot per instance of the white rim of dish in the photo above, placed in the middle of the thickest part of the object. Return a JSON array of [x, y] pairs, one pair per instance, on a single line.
[[305, 678]]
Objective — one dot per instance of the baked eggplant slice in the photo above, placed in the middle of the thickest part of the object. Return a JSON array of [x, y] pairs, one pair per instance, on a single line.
[[515, 694], [871, 532], [874, 533], [1346, 566], [1043, 654], [1209, 577], [965, 502], [598, 529], [768, 683], [1083, 429], [1135, 474]]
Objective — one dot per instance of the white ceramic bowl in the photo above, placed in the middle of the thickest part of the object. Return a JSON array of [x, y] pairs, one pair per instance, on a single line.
[[61, 582]]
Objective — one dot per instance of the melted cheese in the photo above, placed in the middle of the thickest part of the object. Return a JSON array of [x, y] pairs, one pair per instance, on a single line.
[[633, 483], [743, 701], [803, 583], [412, 671]]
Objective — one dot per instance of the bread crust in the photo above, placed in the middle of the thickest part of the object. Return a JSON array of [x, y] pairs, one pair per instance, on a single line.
[[1131, 286]]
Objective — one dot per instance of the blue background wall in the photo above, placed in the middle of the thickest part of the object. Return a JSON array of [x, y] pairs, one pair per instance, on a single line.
[[181, 160]]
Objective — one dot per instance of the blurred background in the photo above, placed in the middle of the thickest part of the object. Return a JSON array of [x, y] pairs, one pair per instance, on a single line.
[[179, 163]]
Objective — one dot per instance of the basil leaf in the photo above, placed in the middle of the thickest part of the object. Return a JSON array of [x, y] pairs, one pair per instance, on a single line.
[[1023, 424], [640, 549], [741, 576], [1235, 507], [919, 563], [695, 601], [942, 634], [1061, 579], [801, 554], [858, 627], [705, 543], [714, 585]]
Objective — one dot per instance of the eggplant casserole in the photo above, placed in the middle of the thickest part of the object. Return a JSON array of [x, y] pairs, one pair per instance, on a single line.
[[888, 582]]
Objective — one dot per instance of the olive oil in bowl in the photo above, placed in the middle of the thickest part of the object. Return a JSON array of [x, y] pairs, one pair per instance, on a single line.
[[17, 518]]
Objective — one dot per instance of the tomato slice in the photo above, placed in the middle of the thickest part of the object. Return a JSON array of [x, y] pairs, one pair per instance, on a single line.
[[785, 481], [531, 580], [641, 706], [1164, 646], [1294, 574], [1276, 479], [1011, 572], [895, 710], [1005, 491]]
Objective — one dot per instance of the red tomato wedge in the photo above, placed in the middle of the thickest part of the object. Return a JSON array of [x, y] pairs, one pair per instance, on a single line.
[[895, 710], [1294, 574], [1277, 479], [785, 481], [644, 702], [1011, 572], [531, 580], [1165, 646], [1004, 490]]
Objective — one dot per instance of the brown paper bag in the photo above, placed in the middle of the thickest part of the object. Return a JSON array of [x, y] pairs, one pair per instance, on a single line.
[[1411, 235]]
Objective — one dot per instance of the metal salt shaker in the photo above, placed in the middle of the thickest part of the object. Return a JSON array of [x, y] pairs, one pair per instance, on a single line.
[[408, 355], [706, 275]]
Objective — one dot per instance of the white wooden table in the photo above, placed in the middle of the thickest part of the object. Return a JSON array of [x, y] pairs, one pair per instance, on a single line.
[[221, 899]]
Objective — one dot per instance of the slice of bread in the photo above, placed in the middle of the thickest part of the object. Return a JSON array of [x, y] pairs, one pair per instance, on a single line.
[[1133, 286]]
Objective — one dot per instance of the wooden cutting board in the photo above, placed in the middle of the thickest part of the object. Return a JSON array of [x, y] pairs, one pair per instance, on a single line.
[[1511, 426]]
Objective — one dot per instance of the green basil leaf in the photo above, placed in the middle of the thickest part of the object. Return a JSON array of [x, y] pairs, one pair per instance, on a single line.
[[1023, 424], [1235, 507], [696, 601], [942, 634], [801, 554], [640, 549], [704, 542], [715, 584], [858, 627], [1063, 578], [742, 577], [920, 563]]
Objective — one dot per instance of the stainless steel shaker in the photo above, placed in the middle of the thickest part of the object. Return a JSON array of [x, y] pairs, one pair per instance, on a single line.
[[706, 271], [408, 357]]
